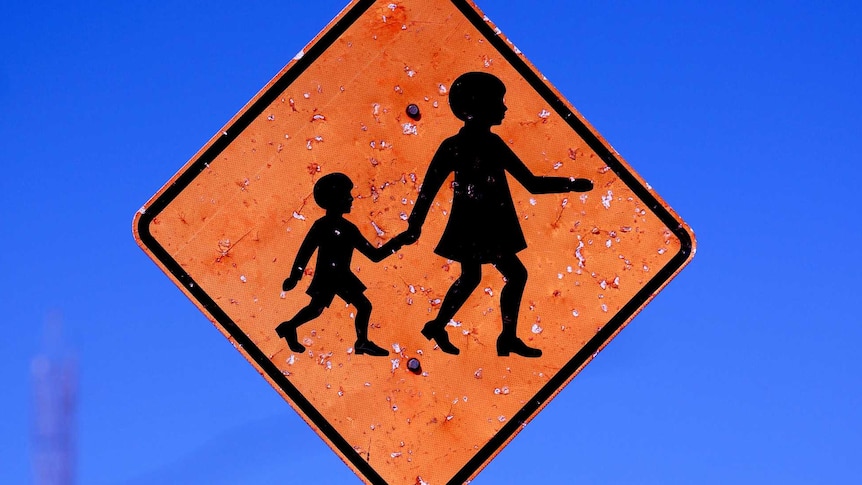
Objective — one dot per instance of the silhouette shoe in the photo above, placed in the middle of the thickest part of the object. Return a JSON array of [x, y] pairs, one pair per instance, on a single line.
[[287, 331], [367, 347], [505, 346], [439, 335]]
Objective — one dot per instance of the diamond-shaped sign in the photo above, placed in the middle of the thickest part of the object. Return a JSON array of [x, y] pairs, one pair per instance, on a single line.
[[413, 238]]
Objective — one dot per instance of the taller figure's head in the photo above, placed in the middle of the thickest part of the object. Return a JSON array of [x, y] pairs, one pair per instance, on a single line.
[[477, 98], [332, 193]]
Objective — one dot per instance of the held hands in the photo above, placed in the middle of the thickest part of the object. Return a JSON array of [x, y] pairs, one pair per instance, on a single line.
[[580, 185], [393, 246], [291, 281], [410, 236], [396, 243], [400, 241]]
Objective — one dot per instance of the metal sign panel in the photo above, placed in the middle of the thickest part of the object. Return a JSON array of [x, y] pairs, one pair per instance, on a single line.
[[414, 238]]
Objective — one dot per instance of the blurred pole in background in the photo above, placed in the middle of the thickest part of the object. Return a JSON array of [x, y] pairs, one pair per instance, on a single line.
[[54, 373]]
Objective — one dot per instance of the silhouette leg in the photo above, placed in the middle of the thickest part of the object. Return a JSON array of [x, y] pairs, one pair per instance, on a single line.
[[363, 313], [510, 304], [287, 330], [471, 275]]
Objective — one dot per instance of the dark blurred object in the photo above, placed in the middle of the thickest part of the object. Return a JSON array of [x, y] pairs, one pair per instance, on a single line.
[[54, 373]]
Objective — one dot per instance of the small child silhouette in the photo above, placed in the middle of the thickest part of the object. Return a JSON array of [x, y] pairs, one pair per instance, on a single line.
[[334, 238], [483, 225]]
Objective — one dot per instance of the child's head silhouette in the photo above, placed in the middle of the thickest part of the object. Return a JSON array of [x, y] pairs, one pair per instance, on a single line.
[[478, 97], [332, 193]]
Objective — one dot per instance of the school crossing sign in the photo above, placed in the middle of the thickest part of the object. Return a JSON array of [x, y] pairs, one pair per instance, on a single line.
[[414, 238]]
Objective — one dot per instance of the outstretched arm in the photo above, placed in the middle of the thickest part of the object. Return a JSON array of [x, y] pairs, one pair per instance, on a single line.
[[543, 185], [306, 249]]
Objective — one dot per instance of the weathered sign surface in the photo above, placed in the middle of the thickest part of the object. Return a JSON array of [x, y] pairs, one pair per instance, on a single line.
[[414, 238]]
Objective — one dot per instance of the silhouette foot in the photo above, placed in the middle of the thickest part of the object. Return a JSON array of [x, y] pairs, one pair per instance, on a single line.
[[439, 335], [505, 346], [287, 331], [370, 348]]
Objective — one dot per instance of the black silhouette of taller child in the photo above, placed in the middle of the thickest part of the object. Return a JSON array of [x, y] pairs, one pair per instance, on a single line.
[[483, 226], [334, 238]]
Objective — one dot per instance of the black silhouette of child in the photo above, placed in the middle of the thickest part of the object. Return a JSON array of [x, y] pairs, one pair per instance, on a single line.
[[334, 238], [483, 226]]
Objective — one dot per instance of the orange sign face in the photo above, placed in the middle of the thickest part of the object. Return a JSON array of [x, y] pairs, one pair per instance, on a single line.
[[413, 238]]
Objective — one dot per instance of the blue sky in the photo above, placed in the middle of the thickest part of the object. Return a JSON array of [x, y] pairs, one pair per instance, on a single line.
[[745, 118]]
